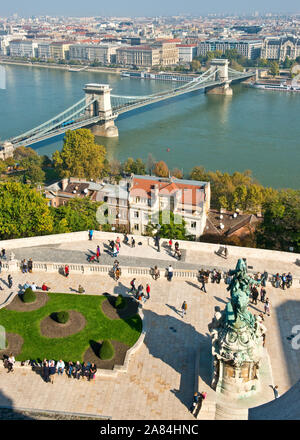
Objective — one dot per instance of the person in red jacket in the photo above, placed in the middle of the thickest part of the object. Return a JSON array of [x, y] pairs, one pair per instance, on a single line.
[[66, 271], [148, 291]]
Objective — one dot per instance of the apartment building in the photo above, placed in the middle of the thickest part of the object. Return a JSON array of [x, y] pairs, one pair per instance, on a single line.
[[43, 50], [141, 56], [250, 49], [23, 48], [150, 195], [278, 48], [59, 50], [103, 53], [187, 52], [168, 52]]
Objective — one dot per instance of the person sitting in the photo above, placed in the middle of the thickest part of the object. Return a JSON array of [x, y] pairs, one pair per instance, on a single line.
[[70, 369], [77, 370], [92, 372], [33, 287], [45, 288], [26, 285], [85, 370], [60, 367], [80, 289]]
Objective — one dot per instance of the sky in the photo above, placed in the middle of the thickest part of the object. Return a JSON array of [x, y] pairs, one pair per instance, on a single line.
[[142, 7]]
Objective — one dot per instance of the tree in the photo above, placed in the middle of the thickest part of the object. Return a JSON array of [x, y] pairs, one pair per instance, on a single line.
[[198, 173], [150, 163], [161, 169], [177, 173], [172, 226], [236, 66], [77, 215], [280, 228], [80, 155], [21, 153], [134, 166], [23, 212], [33, 172], [274, 68]]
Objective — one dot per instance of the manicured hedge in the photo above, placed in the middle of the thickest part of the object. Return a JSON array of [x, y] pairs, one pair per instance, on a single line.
[[28, 296], [107, 350], [62, 317], [120, 302]]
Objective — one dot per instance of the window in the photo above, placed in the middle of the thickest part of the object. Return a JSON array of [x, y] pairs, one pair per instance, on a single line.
[[136, 214], [193, 224], [137, 200], [136, 227]]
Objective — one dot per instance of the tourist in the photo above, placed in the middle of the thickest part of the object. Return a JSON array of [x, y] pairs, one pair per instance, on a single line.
[[176, 246], [202, 281], [52, 370], [118, 248], [126, 239], [283, 281], [264, 278], [33, 287], [262, 294], [92, 372], [254, 292], [267, 307], [184, 308], [132, 242], [118, 241], [77, 370], [111, 245], [277, 280], [170, 273], [157, 240], [98, 253], [276, 393], [80, 289], [67, 271], [24, 266], [117, 273], [155, 273], [170, 244], [60, 367], [45, 371], [10, 363], [132, 284], [30, 265], [85, 370], [202, 397], [91, 232], [213, 276], [115, 251], [148, 290], [218, 277], [70, 369], [0, 266], [3, 254], [289, 280], [10, 281], [195, 402], [45, 288], [139, 293], [226, 252]]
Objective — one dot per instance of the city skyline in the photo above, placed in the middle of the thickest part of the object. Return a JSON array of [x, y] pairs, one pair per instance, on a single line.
[[136, 8]]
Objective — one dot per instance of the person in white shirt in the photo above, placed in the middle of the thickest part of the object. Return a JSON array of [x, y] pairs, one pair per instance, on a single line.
[[33, 287], [11, 361], [60, 366], [170, 273]]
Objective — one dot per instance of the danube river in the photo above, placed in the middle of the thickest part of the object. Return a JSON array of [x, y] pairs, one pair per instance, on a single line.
[[253, 129]]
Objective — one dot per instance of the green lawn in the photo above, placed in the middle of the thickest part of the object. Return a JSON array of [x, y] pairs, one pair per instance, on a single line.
[[71, 348]]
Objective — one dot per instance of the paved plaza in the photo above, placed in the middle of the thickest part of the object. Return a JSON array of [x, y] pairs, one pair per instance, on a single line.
[[159, 383]]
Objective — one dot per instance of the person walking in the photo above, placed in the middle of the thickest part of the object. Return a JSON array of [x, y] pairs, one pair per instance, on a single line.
[[202, 281], [170, 244], [202, 397], [254, 295], [184, 308], [0, 266], [115, 251], [3, 254], [226, 252], [132, 284], [91, 232], [276, 393], [139, 294], [132, 242], [264, 278], [24, 266], [170, 273], [195, 402], [262, 294], [148, 291], [11, 362], [10, 281], [156, 273], [118, 241], [267, 307], [157, 240], [98, 253]]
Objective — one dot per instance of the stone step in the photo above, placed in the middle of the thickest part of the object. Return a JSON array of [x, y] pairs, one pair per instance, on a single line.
[[230, 413]]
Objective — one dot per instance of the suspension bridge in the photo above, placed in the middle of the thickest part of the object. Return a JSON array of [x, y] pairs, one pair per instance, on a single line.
[[99, 108]]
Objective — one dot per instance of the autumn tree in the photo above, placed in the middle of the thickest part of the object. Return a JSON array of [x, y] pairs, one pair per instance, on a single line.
[[176, 172], [23, 212], [80, 156], [161, 169]]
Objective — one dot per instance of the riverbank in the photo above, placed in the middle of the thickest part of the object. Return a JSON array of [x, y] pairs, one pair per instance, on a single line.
[[65, 67]]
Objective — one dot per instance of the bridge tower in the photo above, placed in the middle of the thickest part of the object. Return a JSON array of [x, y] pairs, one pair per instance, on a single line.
[[221, 68], [101, 107]]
